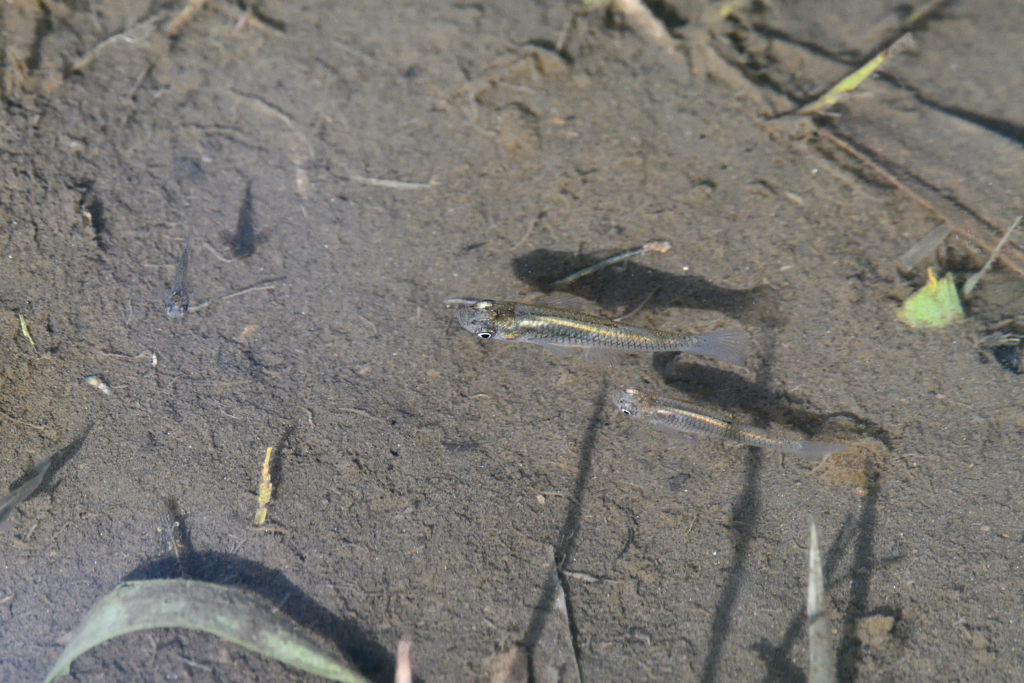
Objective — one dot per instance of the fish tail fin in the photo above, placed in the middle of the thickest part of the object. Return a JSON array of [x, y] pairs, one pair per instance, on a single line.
[[815, 450], [724, 345]]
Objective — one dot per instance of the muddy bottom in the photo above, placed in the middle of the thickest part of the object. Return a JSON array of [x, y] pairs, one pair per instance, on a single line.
[[340, 170]]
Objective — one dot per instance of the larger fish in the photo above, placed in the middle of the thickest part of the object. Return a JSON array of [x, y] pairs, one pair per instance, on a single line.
[[672, 415], [558, 329]]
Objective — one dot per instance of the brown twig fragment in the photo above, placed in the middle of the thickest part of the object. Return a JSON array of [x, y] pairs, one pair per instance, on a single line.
[[1011, 255], [184, 16], [641, 19], [136, 35]]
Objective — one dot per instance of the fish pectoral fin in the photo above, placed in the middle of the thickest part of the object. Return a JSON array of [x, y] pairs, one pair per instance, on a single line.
[[600, 356], [557, 349], [677, 436]]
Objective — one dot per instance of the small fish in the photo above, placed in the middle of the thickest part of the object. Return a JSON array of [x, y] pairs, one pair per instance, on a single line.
[[672, 415], [558, 329], [176, 303]]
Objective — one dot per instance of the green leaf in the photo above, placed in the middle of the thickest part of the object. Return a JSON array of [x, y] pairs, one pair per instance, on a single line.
[[225, 612], [937, 304]]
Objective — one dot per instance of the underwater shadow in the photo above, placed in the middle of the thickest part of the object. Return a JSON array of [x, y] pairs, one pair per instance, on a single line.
[[568, 534], [367, 655], [40, 479], [778, 662], [860, 587], [768, 405], [632, 284], [745, 512]]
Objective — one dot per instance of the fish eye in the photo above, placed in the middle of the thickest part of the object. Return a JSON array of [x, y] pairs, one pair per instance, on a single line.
[[627, 411], [484, 335]]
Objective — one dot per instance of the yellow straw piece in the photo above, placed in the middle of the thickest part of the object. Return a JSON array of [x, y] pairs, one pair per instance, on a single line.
[[266, 488], [729, 7], [24, 329], [856, 78]]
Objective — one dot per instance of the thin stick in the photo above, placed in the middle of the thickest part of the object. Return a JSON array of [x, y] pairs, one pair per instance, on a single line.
[[243, 19], [973, 280], [357, 411], [216, 254], [135, 35], [641, 305], [254, 288], [392, 184], [184, 16], [257, 288], [526, 235], [639, 17], [660, 246], [21, 422]]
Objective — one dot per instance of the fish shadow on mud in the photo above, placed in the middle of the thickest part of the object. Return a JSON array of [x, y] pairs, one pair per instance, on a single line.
[[631, 284], [367, 655], [244, 240], [767, 405], [41, 479]]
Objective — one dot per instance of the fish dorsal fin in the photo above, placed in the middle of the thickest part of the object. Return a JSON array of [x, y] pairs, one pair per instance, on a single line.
[[633, 329], [562, 300]]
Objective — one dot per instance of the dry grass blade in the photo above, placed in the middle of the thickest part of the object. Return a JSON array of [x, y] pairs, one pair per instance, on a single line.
[[822, 664], [857, 77]]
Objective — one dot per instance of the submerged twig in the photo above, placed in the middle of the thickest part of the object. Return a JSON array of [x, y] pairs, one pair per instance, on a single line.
[[640, 18], [133, 36], [392, 184], [1011, 256], [638, 307], [973, 280], [22, 422], [254, 288], [660, 246], [184, 16], [216, 254], [924, 246]]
